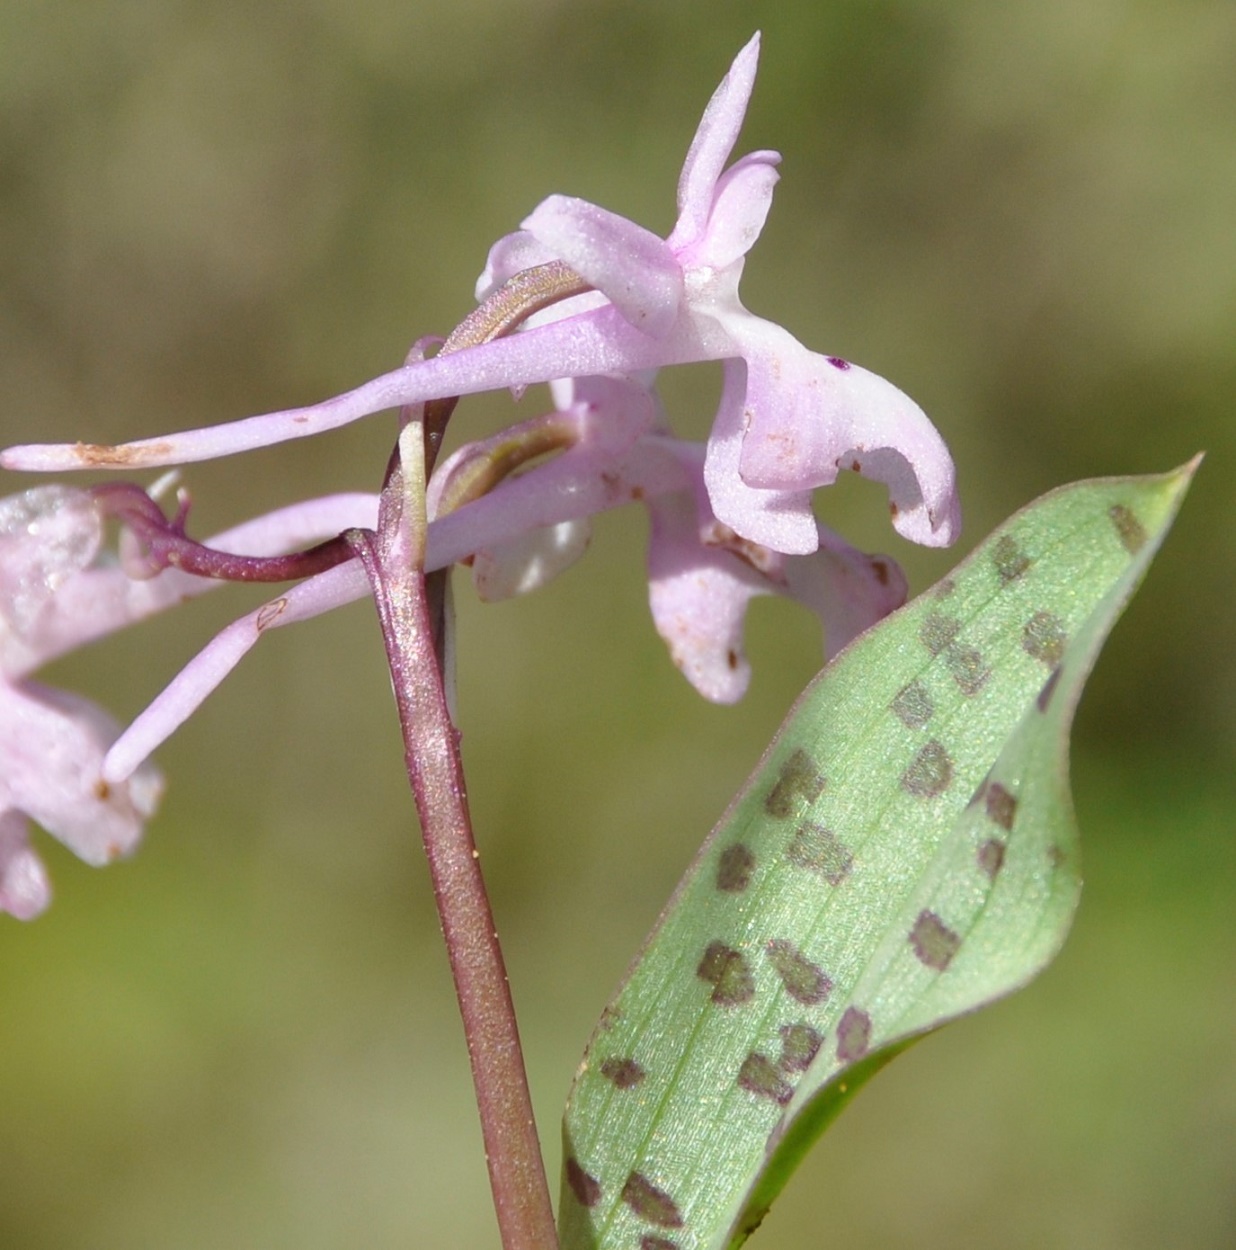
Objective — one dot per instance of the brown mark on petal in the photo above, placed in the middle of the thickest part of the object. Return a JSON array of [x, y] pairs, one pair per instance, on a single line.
[[102, 456], [650, 1203], [102, 791], [1044, 638], [934, 942], [880, 569], [760, 1076], [804, 981], [938, 631], [820, 850], [625, 1073], [586, 1188], [734, 869], [853, 1035], [913, 705], [991, 858], [838, 363], [930, 772], [727, 972], [1001, 805], [799, 779], [1049, 687], [800, 1044], [1131, 531], [1010, 561], [269, 614]]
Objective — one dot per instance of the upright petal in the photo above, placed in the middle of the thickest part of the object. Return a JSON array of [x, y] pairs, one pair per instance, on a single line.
[[630, 265], [714, 141]]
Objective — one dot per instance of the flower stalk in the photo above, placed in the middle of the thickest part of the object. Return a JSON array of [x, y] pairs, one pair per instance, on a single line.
[[394, 562]]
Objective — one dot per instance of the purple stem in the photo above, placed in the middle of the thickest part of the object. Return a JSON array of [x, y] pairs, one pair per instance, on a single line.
[[435, 771]]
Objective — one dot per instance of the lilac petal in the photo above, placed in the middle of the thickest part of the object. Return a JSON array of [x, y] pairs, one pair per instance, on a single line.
[[512, 254], [809, 416], [99, 601], [47, 535], [597, 342], [740, 208], [848, 590], [699, 598], [51, 755], [630, 265], [714, 141], [186, 692], [25, 890], [779, 519], [528, 562]]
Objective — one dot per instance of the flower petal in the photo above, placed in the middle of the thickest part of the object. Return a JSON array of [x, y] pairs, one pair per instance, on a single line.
[[512, 254], [51, 755], [713, 142], [699, 599], [630, 265], [25, 890], [739, 210], [809, 416], [779, 519], [530, 561]]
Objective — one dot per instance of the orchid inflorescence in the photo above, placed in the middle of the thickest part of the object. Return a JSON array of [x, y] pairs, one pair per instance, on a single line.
[[580, 298]]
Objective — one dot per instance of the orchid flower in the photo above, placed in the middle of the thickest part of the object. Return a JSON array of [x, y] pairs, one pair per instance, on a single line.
[[789, 420], [57, 592]]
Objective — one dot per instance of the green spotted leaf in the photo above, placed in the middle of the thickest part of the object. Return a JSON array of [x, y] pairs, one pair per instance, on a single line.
[[905, 852]]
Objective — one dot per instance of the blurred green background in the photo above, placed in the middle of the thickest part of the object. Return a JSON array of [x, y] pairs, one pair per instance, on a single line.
[[1024, 214]]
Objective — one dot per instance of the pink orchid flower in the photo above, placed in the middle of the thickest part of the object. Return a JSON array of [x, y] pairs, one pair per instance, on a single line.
[[59, 591], [789, 420]]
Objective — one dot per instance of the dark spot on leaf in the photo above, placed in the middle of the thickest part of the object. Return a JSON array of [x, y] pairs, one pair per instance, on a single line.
[[1001, 805], [1044, 638], [1056, 856], [938, 631], [586, 1188], [650, 1242], [1132, 532], [934, 942], [1010, 561], [760, 1076], [991, 857], [820, 850], [838, 363], [799, 779], [734, 868], [625, 1073], [804, 981], [967, 667], [650, 1203], [1049, 687], [930, 772], [945, 588], [913, 706], [727, 972], [800, 1044], [853, 1035]]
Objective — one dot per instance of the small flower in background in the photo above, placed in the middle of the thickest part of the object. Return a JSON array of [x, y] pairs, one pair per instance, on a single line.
[[59, 590]]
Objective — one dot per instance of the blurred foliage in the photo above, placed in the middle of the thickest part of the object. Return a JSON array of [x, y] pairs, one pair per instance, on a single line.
[[1022, 214]]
